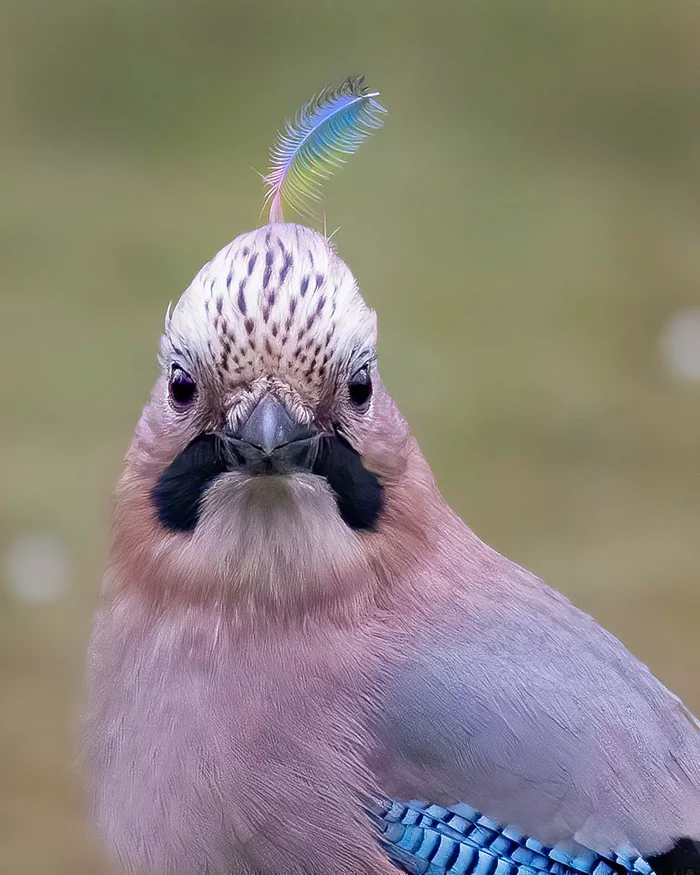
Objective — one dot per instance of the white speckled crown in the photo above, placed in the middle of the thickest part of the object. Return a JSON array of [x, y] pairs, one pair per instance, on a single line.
[[276, 300]]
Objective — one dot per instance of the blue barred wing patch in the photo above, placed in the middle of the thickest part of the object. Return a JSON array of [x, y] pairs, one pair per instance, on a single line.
[[423, 839]]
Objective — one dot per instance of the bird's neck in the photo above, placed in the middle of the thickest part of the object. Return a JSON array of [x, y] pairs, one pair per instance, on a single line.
[[275, 548]]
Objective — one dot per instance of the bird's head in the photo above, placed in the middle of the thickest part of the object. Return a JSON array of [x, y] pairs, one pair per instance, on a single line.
[[269, 460]]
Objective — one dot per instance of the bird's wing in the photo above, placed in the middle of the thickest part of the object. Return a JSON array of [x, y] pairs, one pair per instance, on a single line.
[[510, 699], [459, 840]]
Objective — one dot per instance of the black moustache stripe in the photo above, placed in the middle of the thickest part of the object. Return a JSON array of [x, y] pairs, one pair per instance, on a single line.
[[359, 494], [178, 494]]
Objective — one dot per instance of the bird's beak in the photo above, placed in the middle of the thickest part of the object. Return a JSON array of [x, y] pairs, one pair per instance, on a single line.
[[272, 441], [270, 426]]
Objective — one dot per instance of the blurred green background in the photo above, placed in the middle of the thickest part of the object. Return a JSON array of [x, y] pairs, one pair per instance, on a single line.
[[526, 224]]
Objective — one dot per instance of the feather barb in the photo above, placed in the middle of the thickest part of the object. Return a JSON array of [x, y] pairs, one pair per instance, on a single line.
[[325, 132]]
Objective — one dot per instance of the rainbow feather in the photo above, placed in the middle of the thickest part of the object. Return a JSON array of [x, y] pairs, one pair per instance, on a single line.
[[327, 129]]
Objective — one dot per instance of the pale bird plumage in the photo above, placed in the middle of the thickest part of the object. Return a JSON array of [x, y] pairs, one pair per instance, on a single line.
[[277, 297], [297, 641]]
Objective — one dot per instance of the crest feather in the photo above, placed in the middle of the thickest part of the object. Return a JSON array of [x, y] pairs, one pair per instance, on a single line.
[[328, 129]]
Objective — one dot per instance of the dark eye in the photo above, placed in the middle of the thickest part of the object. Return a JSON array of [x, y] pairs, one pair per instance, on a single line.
[[182, 387], [360, 387]]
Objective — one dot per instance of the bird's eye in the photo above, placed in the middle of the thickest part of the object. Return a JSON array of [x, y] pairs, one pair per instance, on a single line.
[[360, 388], [182, 387]]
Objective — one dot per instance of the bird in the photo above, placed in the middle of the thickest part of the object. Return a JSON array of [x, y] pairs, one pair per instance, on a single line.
[[302, 661]]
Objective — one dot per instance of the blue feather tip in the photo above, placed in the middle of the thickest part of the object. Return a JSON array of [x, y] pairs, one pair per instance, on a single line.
[[324, 133]]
